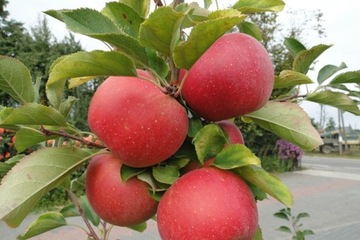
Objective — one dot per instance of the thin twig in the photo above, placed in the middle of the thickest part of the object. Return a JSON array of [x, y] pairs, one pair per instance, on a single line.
[[289, 98], [88, 225], [158, 3], [63, 133]]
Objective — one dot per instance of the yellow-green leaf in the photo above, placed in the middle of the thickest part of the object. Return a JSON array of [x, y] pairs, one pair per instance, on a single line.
[[84, 64], [288, 78], [34, 176], [256, 6], [45, 222], [188, 52], [288, 121], [268, 182], [15, 80]]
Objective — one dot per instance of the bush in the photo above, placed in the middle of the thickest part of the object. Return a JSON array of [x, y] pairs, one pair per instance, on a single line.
[[289, 153]]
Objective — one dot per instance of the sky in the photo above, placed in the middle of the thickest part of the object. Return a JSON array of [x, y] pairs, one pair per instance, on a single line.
[[340, 22]]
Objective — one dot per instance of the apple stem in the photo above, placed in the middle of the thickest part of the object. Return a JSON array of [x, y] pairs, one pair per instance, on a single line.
[[158, 3], [217, 5], [181, 84], [289, 98], [62, 133], [87, 223]]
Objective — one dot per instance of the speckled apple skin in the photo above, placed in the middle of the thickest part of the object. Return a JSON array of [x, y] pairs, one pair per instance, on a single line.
[[117, 202], [137, 121], [208, 203], [233, 77]]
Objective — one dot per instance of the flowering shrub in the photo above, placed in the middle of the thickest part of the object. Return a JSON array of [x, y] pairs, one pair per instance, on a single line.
[[289, 153]]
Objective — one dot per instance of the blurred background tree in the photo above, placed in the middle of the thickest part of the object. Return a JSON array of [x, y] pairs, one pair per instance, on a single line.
[[37, 48]]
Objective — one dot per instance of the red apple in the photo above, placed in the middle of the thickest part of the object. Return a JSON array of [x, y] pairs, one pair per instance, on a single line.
[[233, 77], [208, 203], [118, 203], [233, 131], [137, 121]]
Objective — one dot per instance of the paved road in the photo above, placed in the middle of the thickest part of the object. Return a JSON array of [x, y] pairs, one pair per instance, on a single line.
[[328, 189]]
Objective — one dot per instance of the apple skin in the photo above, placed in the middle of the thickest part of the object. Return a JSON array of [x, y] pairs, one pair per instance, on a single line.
[[118, 203], [137, 121], [233, 132], [235, 76], [208, 203]]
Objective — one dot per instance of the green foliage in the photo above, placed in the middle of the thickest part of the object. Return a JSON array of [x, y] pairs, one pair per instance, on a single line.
[[44, 223], [35, 175], [155, 42], [288, 121], [17, 82], [295, 226]]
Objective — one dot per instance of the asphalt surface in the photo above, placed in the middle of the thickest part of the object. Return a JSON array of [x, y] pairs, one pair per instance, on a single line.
[[328, 189]]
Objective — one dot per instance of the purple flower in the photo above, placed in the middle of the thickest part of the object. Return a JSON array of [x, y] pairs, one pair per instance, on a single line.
[[288, 151]]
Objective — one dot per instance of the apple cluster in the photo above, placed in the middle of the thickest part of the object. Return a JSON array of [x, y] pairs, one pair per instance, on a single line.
[[142, 127]]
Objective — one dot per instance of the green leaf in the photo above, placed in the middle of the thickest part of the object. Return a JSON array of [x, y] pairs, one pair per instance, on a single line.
[[32, 114], [45, 222], [157, 63], [234, 156], [4, 168], [146, 177], [65, 106], [284, 229], [188, 52], [256, 6], [294, 46], [258, 234], [267, 182], [34, 176], [28, 137], [88, 211], [164, 38], [15, 80], [127, 172], [288, 121], [250, 29], [57, 14], [209, 141], [195, 124], [127, 45], [305, 58], [288, 78], [179, 162], [87, 21], [82, 64], [187, 149], [78, 184], [258, 193], [329, 70], [124, 16], [335, 99], [308, 232], [207, 3], [70, 211], [347, 77], [141, 227], [282, 215], [193, 13], [167, 174], [302, 215], [142, 7]]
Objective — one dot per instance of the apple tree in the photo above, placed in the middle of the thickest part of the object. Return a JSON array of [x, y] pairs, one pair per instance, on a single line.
[[162, 138]]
